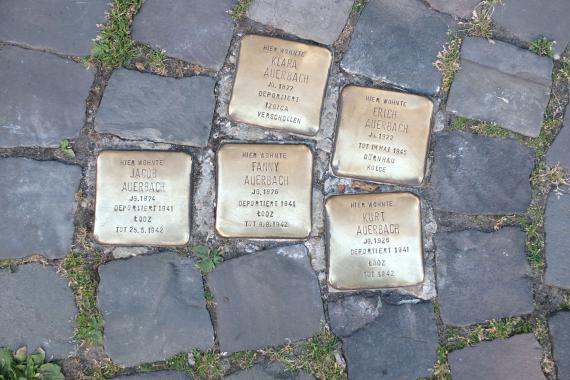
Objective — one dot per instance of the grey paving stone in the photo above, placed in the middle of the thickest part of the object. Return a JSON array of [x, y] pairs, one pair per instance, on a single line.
[[37, 203], [460, 8], [317, 20], [350, 313], [158, 375], [268, 371], [556, 228], [559, 154], [198, 31], [501, 83], [397, 42], [516, 358], [480, 175], [43, 98], [38, 310], [560, 332], [531, 19], [482, 276], [400, 344], [143, 106], [64, 26], [266, 299], [153, 307]]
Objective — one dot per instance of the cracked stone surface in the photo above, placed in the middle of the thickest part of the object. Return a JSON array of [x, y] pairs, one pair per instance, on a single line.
[[560, 332], [559, 154], [501, 83], [399, 344], [153, 307], [482, 276], [459, 8], [266, 299], [28, 316], [397, 42], [158, 375], [516, 358], [63, 26], [268, 371], [480, 174], [37, 208], [351, 313], [556, 228], [197, 31], [529, 20], [141, 106], [43, 97], [317, 20]]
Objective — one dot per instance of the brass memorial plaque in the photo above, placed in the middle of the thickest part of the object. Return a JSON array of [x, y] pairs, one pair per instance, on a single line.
[[280, 84], [374, 241], [382, 136], [264, 191], [143, 198]]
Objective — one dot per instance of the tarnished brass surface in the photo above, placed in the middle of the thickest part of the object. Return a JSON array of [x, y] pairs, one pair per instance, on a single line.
[[382, 136], [143, 198], [280, 84], [264, 191], [374, 241]]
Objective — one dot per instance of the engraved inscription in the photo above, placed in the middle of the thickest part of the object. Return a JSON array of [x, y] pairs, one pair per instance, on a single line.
[[264, 191], [374, 241], [280, 84], [382, 136], [143, 198]]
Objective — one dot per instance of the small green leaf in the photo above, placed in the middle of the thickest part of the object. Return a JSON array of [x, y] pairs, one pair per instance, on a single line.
[[21, 354], [201, 250], [51, 371], [39, 356], [5, 360], [66, 149]]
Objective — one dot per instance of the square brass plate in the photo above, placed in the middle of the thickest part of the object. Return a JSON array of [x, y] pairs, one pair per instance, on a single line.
[[382, 136], [264, 191], [280, 84], [374, 241], [143, 198]]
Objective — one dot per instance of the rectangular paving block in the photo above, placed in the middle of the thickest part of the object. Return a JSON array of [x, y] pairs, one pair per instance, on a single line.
[[501, 83], [317, 20], [559, 325], [63, 26], [197, 31], [140, 106], [557, 238], [153, 307], [558, 153], [280, 84], [460, 8], [264, 191], [43, 97], [382, 136], [143, 198], [482, 276], [38, 206], [268, 298], [397, 42]]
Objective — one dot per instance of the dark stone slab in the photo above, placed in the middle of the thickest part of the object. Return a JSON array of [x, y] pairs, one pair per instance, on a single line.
[[559, 154], [556, 228], [516, 358], [482, 276], [142, 106], [317, 20], [198, 31], [64, 26], [38, 310], [501, 83], [269, 371], [460, 8], [351, 313], [530, 19], [158, 375], [43, 98], [397, 42], [37, 207], [560, 332], [400, 344], [266, 299], [154, 308], [480, 175]]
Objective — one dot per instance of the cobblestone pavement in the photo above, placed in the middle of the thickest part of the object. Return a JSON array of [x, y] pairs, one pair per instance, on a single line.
[[78, 78]]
